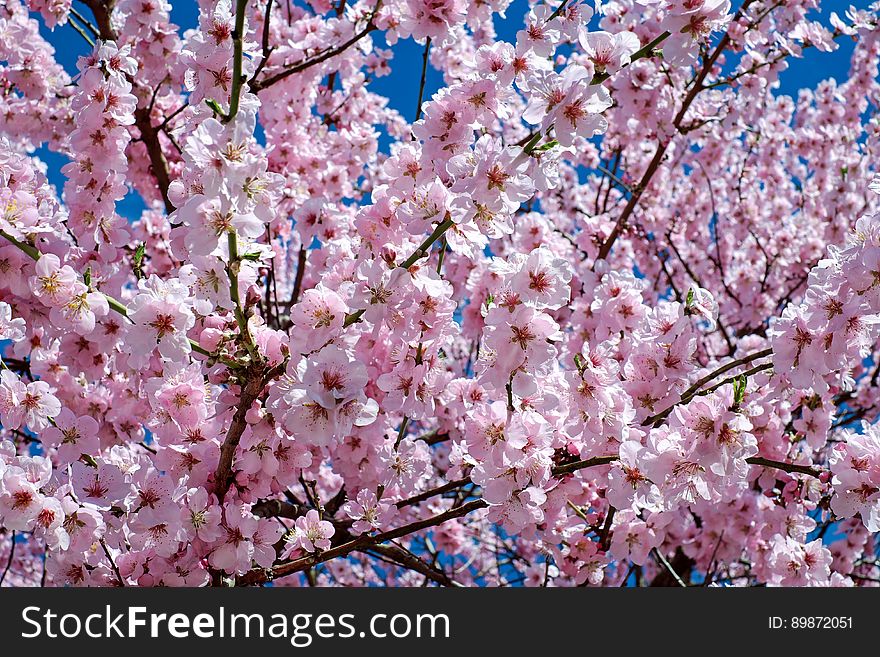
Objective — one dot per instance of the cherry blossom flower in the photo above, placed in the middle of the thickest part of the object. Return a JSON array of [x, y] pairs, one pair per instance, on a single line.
[[609, 52], [554, 315], [311, 533], [72, 436], [10, 328], [367, 512]]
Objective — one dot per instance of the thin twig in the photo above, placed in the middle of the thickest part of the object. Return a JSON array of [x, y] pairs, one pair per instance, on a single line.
[[688, 394], [112, 562], [258, 85], [424, 76], [668, 567]]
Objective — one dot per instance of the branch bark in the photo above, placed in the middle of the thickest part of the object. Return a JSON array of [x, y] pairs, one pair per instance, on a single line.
[[258, 85], [250, 390], [11, 558], [659, 154], [691, 392], [260, 575], [149, 133], [411, 561]]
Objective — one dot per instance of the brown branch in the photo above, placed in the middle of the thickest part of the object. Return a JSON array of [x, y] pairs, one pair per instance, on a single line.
[[260, 575], [606, 528], [258, 85], [456, 484], [434, 437], [659, 154], [786, 467], [278, 509], [410, 561], [402, 557], [158, 163], [424, 77], [691, 392], [250, 390], [439, 490], [749, 372], [11, 557], [298, 281], [149, 134], [569, 468], [681, 563], [112, 563], [367, 543], [419, 253], [668, 566], [267, 49]]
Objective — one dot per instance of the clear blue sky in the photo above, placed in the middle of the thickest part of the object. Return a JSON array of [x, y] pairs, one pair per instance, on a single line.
[[401, 87]]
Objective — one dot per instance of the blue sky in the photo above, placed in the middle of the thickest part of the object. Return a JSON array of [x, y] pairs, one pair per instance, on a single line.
[[401, 86]]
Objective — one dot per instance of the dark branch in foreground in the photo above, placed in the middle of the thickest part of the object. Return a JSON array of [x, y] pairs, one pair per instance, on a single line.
[[366, 543]]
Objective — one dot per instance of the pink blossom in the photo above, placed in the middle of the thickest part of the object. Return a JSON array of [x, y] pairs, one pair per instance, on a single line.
[[311, 533], [162, 318], [609, 52], [367, 512], [53, 283], [72, 436], [856, 468], [200, 518], [236, 549], [100, 485], [31, 405], [10, 329], [593, 305]]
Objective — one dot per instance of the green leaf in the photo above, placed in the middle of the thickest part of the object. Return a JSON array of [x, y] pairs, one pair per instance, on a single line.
[[87, 277], [214, 105], [532, 143], [545, 147], [739, 389], [138, 259]]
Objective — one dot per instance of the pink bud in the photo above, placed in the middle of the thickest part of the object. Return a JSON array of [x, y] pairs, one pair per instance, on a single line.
[[254, 414], [210, 338]]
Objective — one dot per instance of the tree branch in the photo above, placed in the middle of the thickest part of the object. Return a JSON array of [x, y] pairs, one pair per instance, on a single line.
[[419, 253], [237, 57], [786, 467], [691, 392], [424, 76], [411, 561], [149, 134], [260, 575], [663, 146], [112, 563], [250, 391], [258, 85]]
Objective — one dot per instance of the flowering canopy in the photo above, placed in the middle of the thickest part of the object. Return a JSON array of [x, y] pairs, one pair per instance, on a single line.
[[605, 311]]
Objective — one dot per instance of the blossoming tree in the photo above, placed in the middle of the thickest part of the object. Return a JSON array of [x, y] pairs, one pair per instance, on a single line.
[[604, 311]]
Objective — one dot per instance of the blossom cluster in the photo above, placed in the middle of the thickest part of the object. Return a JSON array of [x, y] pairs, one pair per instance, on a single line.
[[602, 311]]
